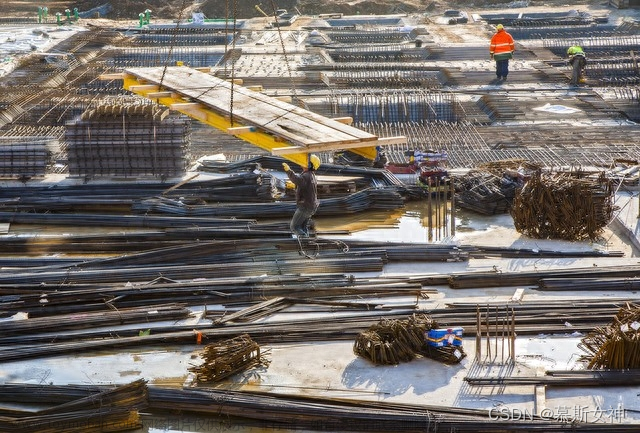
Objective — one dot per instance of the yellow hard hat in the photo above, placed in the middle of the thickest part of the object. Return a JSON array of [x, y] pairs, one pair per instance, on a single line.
[[499, 27], [314, 162]]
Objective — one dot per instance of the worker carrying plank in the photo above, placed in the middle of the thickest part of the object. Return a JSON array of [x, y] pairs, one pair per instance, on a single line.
[[306, 195]]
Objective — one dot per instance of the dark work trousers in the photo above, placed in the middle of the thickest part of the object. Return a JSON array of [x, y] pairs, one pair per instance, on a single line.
[[300, 221], [502, 68]]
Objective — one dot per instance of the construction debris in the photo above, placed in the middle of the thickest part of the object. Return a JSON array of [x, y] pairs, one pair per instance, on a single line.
[[617, 345], [563, 206], [226, 358]]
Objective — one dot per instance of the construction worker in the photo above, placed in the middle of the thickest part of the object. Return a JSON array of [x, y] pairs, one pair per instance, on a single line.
[[306, 195], [501, 50], [381, 159], [576, 54]]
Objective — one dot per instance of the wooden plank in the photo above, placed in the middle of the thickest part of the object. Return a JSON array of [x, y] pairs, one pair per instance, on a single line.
[[292, 123], [157, 95], [540, 399], [345, 120], [517, 296], [386, 141], [144, 88], [109, 77], [185, 106], [240, 130], [179, 184]]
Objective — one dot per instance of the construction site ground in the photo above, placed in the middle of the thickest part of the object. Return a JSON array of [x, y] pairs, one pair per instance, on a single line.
[[586, 128]]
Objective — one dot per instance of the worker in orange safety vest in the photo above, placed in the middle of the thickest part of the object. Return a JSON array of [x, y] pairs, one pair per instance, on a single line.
[[501, 50]]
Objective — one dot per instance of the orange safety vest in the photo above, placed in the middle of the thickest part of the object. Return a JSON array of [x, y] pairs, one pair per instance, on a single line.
[[502, 45]]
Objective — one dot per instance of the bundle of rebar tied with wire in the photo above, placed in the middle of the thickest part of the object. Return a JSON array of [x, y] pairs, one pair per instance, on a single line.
[[617, 345], [391, 342], [563, 206], [226, 358]]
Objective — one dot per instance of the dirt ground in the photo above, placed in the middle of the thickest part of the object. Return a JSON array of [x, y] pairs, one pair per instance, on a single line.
[[128, 9]]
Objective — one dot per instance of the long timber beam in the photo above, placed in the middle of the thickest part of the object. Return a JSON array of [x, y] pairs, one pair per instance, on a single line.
[[266, 122]]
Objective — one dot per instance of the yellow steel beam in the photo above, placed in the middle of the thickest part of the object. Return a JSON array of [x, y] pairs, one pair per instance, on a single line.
[[247, 133], [204, 114]]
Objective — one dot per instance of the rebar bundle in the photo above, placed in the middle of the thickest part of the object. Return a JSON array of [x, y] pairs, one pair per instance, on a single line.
[[484, 192], [617, 345], [125, 145], [149, 39], [391, 342], [112, 409], [377, 36], [25, 157], [378, 53], [410, 105], [387, 79], [197, 57], [561, 206], [226, 358]]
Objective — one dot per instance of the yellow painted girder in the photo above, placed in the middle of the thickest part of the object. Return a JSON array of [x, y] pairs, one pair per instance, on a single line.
[[204, 114]]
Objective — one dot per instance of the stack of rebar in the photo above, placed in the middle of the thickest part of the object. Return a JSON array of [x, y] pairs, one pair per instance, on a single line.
[[376, 36], [226, 358], [617, 345], [94, 411], [196, 57], [387, 79], [378, 53], [391, 342], [127, 144], [369, 199], [485, 193], [25, 157], [562, 206], [410, 105]]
